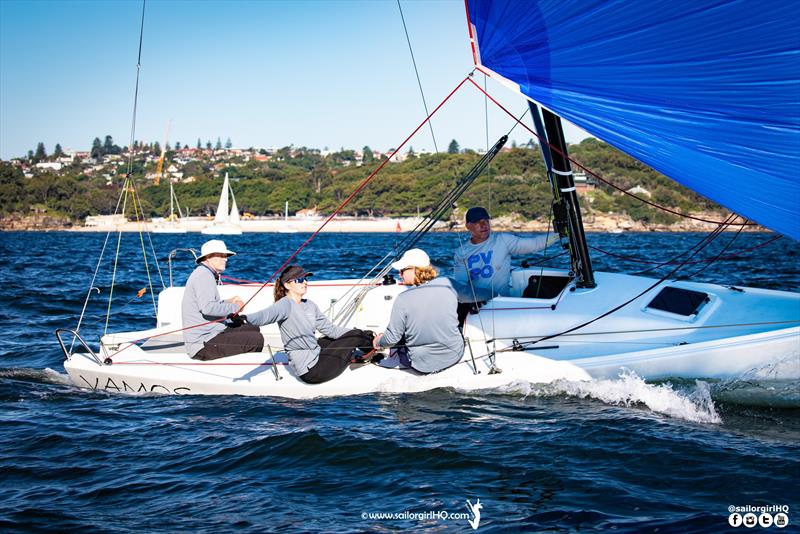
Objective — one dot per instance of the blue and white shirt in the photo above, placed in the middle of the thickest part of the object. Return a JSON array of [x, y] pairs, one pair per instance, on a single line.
[[487, 265]]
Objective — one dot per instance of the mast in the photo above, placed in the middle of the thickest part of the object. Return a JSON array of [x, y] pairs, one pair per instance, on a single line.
[[566, 207], [171, 203]]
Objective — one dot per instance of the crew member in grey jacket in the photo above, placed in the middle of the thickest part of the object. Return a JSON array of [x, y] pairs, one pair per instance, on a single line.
[[423, 318], [313, 360], [205, 335]]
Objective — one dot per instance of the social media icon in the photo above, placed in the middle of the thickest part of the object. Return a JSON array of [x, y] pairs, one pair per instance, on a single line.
[[781, 520], [735, 519], [765, 520], [750, 520]]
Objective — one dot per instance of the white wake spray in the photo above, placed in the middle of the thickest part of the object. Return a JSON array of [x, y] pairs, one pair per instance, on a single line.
[[629, 390]]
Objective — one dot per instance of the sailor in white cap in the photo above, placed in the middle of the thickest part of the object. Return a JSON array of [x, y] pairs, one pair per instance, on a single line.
[[206, 337], [423, 327]]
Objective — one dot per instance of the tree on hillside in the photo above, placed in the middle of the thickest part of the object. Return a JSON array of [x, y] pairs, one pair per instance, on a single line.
[[199, 146], [453, 148], [208, 144], [41, 154], [177, 145], [368, 155], [228, 143], [58, 152], [30, 155], [156, 148], [218, 146], [319, 175], [12, 188]]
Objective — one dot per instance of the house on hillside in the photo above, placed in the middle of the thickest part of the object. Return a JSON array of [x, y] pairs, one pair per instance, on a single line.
[[639, 191]]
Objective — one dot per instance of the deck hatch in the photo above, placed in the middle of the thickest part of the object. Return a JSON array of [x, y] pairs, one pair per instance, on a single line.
[[679, 301]]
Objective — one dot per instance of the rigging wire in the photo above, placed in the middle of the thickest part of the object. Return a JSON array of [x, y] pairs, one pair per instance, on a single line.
[[423, 227], [305, 243], [717, 257], [419, 82], [713, 235]]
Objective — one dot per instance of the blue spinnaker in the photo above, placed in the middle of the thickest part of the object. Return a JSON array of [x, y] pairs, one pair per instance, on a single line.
[[706, 92]]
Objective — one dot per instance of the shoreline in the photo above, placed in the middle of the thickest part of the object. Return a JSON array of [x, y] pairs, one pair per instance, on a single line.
[[592, 223]]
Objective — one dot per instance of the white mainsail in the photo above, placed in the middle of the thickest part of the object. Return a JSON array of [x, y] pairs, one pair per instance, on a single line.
[[222, 208], [225, 222]]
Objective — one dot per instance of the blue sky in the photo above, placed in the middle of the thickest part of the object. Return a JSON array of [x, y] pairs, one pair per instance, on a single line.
[[263, 73]]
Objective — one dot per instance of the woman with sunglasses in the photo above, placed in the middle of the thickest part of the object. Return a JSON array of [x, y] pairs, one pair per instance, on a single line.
[[313, 361], [423, 327]]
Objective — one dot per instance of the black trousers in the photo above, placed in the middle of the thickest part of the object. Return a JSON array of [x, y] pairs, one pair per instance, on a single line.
[[232, 340], [336, 354]]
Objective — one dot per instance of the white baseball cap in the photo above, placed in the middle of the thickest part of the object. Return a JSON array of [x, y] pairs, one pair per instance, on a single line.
[[215, 246], [414, 257]]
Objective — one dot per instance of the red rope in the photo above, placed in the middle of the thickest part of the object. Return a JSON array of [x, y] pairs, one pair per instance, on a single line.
[[585, 169], [357, 190], [318, 230]]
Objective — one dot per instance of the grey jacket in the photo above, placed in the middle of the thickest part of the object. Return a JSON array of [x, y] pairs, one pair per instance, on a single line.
[[426, 316], [201, 304], [297, 323]]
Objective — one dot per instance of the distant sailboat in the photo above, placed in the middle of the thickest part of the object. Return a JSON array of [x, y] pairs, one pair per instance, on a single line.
[[225, 222], [287, 229], [172, 224]]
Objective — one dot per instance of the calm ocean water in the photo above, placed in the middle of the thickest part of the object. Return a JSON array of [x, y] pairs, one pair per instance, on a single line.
[[614, 454]]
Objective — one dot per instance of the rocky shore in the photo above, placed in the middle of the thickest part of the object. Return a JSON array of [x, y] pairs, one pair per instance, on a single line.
[[514, 223]]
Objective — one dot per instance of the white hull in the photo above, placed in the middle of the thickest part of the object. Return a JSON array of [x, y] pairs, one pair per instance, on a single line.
[[735, 332], [222, 229], [168, 229], [253, 374]]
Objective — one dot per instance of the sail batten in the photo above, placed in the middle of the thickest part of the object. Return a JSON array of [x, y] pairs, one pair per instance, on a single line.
[[705, 93]]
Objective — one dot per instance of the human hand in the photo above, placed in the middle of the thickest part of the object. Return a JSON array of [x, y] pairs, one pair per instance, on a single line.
[[376, 340], [236, 300]]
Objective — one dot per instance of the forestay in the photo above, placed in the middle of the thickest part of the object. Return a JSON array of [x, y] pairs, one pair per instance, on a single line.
[[707, 93]]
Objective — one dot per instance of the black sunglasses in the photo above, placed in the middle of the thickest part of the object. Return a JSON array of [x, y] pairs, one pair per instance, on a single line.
[[300, 280]]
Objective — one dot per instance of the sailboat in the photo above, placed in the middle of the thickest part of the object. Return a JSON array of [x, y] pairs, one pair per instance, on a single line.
[[174, 223], [225, 222], [710, 101], [287, 228]]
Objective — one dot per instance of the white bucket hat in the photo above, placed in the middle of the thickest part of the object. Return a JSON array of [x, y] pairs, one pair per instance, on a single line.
[[414, 257], [215, 246]]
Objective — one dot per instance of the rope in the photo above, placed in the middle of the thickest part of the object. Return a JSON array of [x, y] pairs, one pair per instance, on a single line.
[[709, 239], [416, 71], [643, 330], [136, 93], [715, 258], [594, 174], [357, 190], [137, 207], [423, 227]]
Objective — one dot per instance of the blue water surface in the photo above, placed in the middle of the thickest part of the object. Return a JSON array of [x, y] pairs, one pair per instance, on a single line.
[[556, 459]]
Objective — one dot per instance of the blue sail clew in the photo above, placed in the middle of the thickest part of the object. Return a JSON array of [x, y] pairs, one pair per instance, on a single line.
[[707, 93]]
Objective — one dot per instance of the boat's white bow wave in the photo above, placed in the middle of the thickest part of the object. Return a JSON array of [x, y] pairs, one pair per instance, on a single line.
[[632, 391]]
